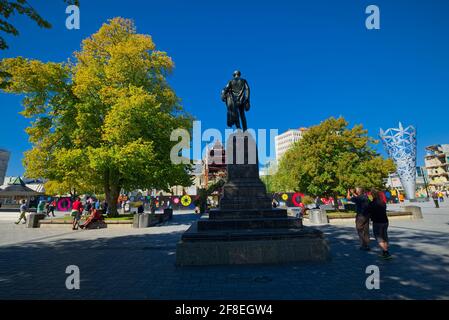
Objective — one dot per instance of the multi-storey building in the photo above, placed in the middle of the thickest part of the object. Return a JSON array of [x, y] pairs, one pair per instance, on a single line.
[[284, 141], [4, 159], [437, 165], [214, 164]]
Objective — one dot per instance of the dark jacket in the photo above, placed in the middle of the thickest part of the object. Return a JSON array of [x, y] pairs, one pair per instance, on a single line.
[[361, 204], [378, 211], [140, 209]]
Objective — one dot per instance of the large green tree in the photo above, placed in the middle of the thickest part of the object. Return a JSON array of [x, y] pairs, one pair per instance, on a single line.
[[269, 178], [103, 119], [330, 158]]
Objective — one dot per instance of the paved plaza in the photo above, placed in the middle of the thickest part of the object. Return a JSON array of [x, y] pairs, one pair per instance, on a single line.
[[126, 263]]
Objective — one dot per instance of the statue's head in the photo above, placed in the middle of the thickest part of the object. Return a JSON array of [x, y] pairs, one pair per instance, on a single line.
[[236, 74]]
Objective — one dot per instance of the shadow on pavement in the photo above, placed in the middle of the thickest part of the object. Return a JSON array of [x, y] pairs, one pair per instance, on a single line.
[[142, 266]]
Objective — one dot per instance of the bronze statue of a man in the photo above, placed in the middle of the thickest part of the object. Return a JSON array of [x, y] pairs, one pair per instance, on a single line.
[[236, 97]]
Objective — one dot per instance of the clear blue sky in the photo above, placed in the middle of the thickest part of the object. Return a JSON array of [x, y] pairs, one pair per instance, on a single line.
[[304, 60]]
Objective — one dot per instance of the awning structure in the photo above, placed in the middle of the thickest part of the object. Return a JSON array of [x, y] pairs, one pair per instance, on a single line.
[[17, 188]]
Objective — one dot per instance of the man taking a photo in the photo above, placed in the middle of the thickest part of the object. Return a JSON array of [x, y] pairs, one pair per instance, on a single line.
[[361, 201]]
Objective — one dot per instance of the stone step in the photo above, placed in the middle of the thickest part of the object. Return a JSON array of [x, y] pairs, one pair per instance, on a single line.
[[221, 214], [269, 251], [258, 223], [193, 234]]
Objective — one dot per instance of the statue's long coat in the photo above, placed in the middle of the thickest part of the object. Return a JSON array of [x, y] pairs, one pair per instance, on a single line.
[[235, 94]]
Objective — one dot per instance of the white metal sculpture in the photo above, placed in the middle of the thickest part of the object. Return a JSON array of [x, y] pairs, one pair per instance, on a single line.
[[400, 144]]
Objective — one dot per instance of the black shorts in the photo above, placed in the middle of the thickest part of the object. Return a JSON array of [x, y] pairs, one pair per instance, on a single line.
[[380, 231]]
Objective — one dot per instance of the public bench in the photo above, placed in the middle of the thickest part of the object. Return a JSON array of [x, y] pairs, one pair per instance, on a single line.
[[145, 220]]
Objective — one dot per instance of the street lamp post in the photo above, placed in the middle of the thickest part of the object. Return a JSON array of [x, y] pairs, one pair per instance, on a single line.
[[425, 183]]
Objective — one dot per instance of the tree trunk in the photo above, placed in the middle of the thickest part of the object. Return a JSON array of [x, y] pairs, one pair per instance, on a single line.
[[112, 192], [111, 198]]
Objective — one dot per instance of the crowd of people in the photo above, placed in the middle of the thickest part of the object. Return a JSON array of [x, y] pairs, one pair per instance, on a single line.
[[92, 208]]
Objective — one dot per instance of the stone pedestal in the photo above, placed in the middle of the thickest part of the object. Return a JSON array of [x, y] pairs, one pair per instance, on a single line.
[[246, 229], [33, 220], [144, 220], [415, 210], [244, 190], [318, 216], [251, 248], [136, 221]]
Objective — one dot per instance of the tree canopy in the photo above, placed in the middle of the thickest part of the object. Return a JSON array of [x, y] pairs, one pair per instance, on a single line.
[[331, 158], [104, 118]]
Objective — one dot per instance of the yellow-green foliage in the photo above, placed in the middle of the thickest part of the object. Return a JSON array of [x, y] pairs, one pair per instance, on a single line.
[[103, 119]]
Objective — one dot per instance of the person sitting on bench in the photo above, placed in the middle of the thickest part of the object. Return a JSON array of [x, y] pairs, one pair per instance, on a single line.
[[95, 216]]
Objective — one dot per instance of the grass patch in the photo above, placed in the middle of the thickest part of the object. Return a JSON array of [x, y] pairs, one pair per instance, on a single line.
[[333, 214], [122, 217], [341, 215], [341, 211]]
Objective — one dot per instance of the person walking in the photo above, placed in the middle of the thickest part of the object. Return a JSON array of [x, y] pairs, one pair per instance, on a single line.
[[441, 196], [361, 201], [23, 212], [51, 208], [435, 199], [77, 209], [41, 207], [377, 210], [153, 206]]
